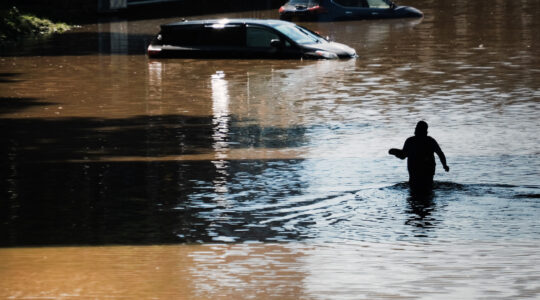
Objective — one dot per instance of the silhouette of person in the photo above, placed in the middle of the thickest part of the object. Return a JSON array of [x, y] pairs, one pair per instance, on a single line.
[[419, 150]]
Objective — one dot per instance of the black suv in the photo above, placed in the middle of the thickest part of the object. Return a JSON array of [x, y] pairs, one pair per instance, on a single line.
[[340, 10], [243, 38]]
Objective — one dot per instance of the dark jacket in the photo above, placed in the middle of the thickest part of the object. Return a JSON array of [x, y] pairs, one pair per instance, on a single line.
[[420, 152]]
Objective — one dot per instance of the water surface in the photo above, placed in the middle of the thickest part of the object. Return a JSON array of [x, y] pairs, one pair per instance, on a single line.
[[268, 178]]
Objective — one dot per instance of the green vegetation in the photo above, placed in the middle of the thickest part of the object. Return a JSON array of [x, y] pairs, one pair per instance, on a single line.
[[14, 26]]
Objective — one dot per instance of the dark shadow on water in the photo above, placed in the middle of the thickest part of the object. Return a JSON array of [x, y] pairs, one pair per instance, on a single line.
[[13, 104], [420, 208], [421, 205], [8, 77], [54, 190], [79, 43], [449, 186], [131, 203], [70, 139], [437, 186], [41, 140], [507, 191], [527, 196]]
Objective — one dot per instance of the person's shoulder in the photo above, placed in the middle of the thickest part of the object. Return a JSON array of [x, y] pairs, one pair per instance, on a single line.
[[411, 138], [432, 140]]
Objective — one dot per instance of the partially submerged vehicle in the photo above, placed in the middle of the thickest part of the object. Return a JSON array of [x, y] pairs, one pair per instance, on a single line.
[[341, 10], [243, 38]]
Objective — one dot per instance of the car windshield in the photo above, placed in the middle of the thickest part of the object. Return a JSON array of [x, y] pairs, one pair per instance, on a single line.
[[299, 35]]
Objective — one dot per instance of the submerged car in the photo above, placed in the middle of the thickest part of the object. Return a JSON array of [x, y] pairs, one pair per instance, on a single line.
[[243, 38], [340, 10]]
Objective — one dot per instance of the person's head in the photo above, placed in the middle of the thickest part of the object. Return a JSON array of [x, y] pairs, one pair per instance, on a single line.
[[421, 129]]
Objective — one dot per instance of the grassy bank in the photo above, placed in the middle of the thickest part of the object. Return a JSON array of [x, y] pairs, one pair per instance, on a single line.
[[14, 25]]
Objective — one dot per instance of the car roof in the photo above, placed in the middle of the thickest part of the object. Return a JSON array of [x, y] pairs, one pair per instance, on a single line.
[[267, 22]]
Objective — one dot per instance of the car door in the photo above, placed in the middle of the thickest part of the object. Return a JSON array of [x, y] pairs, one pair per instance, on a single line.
[[264, 42]]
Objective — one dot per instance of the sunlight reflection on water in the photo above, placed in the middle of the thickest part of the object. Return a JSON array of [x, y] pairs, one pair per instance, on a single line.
[[267, 271]]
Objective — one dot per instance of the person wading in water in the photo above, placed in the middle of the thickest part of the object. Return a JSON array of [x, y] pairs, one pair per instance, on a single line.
[[419, 150]]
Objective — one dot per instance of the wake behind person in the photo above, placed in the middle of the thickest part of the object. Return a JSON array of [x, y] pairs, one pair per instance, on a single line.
[[419, 151]]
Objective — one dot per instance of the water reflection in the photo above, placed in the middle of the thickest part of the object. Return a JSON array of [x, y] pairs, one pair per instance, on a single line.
[[241, 155], [113, 37], [192, 140], [264, 271], [221, 114], [421, 208], [221, 119], [365, 35], [267, 178], [155, 73], [250, 270]]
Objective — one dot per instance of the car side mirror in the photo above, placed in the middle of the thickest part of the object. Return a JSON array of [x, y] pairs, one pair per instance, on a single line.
[[276, 43]]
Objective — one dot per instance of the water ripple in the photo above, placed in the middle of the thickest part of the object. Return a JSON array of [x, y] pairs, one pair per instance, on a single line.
[[454, 211]]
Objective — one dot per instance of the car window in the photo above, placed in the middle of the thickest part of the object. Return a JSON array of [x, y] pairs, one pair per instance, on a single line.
[[299, 34], [259, 37], [378, 4], [352, 3], [228, 36], [181, 36], [223, 36]]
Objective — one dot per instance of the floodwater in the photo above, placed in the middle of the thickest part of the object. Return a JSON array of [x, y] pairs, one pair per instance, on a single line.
[[124, 177]]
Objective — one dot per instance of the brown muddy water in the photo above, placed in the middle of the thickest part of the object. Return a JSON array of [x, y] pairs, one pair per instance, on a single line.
[[125, 177]]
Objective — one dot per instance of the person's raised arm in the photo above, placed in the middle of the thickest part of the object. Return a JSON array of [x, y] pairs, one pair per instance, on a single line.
[[399, 153]]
